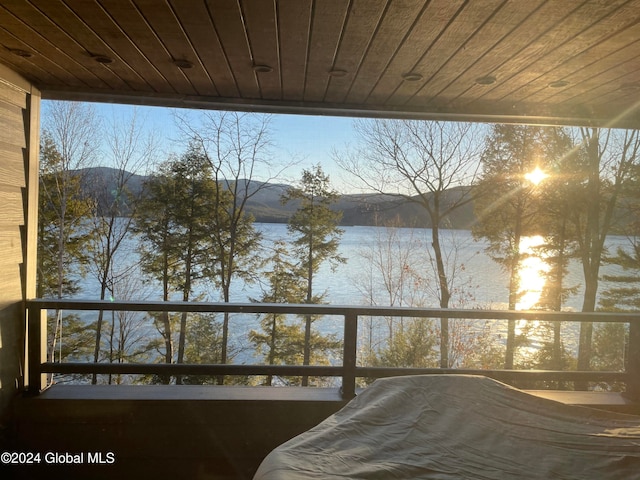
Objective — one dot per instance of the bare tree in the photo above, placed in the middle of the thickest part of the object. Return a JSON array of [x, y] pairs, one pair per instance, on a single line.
[[429, 163], [238, 147], [69, 145], [129, 150], [391, 276], [610, 157], [127, 333]]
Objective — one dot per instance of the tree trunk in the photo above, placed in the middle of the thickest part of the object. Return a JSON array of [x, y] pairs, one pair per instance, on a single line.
[[224, 351], [591, 252], [514, 286], [96, 350], [445, 294], [166, 321], [308, 319], [183, 318]]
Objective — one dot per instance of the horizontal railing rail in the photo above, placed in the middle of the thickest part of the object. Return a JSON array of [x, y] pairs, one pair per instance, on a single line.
[[349, 370]]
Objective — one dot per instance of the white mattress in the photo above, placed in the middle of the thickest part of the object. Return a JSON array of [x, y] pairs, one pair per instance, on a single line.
[[459, 427]]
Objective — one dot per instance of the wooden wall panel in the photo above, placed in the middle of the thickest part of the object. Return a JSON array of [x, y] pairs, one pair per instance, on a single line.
[[18, 215], [10, 245], [12, 207], [11, 125], [12, 165], [9, 288], [13, 97]]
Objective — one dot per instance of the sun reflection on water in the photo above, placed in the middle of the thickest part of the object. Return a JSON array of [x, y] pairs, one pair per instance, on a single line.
[[532, 277], [532, 273]]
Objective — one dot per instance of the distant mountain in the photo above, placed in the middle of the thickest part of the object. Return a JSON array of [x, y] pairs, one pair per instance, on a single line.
[[266, 207], [380, 209], [101, 184]]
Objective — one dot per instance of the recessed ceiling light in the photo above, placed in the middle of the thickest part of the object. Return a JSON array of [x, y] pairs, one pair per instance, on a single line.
[[182, 63], [19, 52], [262, 69], [103, 59], [336, 72], [558, 84], [412, 77], [486, 80]]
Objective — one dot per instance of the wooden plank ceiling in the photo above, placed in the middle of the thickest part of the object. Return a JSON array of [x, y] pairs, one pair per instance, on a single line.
[[570, 62]]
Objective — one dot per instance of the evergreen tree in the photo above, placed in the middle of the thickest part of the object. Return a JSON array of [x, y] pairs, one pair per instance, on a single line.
[[233, 246], [62, 237], [316, 235], [609, 159], [506, 204], [623, 294], [412, 345], [237, 147], [557, 193], [195, 192], [203, 345], [158, 253], [174, 219], [67, 146], [280, 342]]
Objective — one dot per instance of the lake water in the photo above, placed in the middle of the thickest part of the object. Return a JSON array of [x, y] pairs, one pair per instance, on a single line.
[[387, 267]]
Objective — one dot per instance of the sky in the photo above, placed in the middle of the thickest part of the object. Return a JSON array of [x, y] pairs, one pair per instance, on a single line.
[[309, 140]]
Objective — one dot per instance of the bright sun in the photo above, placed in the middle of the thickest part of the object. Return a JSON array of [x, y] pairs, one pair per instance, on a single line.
[[536, 176]]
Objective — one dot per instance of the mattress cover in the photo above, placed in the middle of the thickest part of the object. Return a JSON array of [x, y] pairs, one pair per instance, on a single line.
[[459, 427]]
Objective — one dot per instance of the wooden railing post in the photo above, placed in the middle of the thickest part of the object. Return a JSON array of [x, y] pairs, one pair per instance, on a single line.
[[349, 356], [633, 361], [36, 348]]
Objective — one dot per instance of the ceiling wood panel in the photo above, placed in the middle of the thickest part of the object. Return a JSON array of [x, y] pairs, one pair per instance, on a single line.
[[396, 23], [612, 85], [362, 22], [615, 58], [176, 47], [127, 17], [328, 21], [102, 25], [485, 60], [229, 24], [546, 51], [50, 37], [446, 48], [294, 20], [54, 60], [260, 19], [507, 18], [431, 23], [85, 46], [209, 54], [554, 65], [514, 41]]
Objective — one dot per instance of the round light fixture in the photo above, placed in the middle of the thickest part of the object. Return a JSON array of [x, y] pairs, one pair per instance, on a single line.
[[336, 72], [182, 63], [486, 80], [103, 59], [262, 69], [20, 53], [412, 77]]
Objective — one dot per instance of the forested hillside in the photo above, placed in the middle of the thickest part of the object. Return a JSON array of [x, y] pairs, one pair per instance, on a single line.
[[100, 183]]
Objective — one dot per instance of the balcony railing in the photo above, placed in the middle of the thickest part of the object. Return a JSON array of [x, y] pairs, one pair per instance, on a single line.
[[349, 370]]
